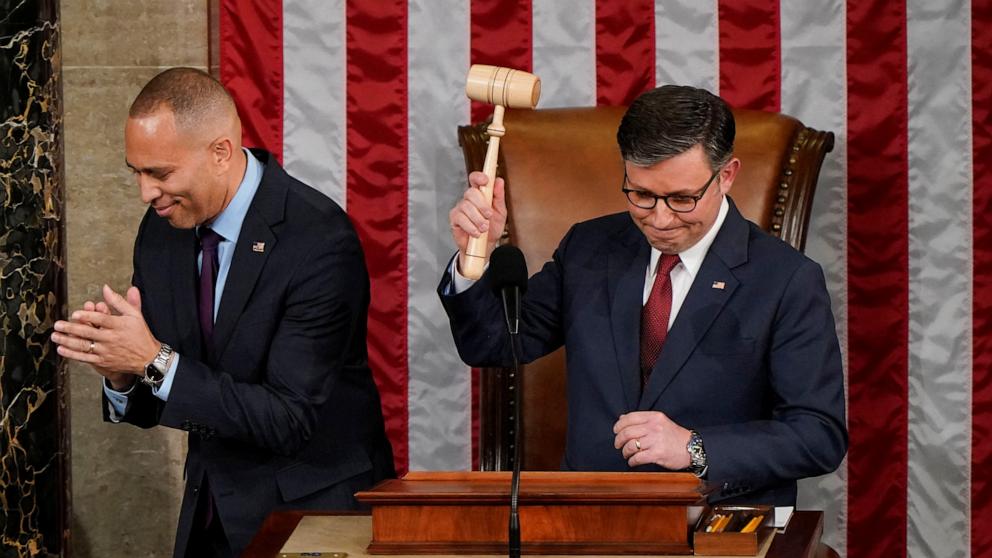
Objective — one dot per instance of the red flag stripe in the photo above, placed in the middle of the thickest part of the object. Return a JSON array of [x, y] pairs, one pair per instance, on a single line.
[[377, 192], [251, 68], [750, 54], [501, 35], [625, 46], [981, 435], [878, 281]]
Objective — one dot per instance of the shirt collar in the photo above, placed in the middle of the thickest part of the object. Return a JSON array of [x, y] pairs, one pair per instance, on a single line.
[[228, 223], [692, 257]]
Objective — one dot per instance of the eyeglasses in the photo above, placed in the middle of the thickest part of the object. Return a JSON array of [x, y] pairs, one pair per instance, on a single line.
[[679, 203]]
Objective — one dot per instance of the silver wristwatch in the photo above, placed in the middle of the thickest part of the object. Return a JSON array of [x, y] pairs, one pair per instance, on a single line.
[[156, 369], [697, 454]]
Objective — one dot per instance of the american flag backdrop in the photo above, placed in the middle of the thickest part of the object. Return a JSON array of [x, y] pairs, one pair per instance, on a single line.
[[361, 100]]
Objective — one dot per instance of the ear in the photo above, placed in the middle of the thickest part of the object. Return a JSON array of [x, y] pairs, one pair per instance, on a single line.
[[222, 152], [728, 174]]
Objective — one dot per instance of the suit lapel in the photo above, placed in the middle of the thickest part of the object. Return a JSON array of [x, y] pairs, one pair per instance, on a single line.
[[183, 285], [702, 304], [626, 271], [241, 278], [267, 209]]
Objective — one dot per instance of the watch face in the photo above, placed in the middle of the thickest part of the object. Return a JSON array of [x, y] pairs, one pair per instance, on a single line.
[[153, 374]]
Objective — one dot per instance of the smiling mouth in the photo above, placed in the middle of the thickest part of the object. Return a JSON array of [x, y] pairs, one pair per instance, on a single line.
[[165, 210]]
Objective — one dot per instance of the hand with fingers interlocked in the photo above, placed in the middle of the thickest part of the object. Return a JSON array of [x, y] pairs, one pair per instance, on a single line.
[[111, 335], [645, 437]]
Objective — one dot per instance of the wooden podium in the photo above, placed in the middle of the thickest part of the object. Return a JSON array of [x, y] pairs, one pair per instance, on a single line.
[[560, 513]]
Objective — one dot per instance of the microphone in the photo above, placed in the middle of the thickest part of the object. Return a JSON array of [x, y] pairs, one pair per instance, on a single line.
[[508, 273]]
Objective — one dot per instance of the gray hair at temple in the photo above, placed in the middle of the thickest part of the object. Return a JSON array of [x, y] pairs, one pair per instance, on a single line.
[[672, 119], [193, 96]]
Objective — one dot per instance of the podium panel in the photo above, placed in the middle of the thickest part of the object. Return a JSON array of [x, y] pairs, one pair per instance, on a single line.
[[560, 513]]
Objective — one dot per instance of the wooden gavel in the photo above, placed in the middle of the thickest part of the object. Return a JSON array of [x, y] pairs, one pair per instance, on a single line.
[[503, 87]]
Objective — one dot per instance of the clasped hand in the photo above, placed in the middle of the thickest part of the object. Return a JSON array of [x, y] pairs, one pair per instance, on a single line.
[[645, 437], [111, 335], [472, 215]]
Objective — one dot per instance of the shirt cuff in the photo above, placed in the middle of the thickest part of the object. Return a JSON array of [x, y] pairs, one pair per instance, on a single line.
[[162, 392], [459, 283], [116, 401]]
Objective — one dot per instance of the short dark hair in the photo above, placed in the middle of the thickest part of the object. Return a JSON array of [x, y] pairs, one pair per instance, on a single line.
[[672, 119], [192, 95]]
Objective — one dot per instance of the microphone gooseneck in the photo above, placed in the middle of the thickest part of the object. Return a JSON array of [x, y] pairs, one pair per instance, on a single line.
[[508, 272]]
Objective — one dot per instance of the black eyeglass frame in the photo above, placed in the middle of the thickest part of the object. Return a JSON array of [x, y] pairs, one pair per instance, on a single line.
[[654, 197]]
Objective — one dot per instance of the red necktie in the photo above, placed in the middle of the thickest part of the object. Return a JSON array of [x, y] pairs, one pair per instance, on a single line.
[[655, 315]]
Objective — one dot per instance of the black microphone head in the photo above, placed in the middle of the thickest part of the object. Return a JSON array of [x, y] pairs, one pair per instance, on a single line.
[[508, 268]]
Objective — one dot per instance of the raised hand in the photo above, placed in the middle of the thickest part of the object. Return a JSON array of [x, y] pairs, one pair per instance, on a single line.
[[472, 216]]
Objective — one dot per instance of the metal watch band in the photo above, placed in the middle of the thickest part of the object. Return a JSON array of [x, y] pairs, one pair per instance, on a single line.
[[156, 369]]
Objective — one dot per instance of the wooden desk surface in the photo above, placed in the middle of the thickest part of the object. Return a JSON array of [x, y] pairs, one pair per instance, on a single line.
[[800, 540]]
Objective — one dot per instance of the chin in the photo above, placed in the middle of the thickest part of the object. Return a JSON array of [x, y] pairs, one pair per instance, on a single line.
[[181, 222]]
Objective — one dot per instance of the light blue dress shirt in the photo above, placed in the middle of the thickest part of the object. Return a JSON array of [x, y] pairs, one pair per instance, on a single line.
[[228, 226]]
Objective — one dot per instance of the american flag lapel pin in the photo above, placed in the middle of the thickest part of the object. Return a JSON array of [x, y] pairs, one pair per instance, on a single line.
[[719, 285], [260, 247]]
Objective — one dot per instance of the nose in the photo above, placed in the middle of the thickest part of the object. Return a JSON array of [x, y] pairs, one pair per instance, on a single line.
[[662, 215], [148, 188]]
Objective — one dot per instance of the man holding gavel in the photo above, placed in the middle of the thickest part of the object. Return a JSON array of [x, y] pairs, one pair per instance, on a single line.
[[694, 340]]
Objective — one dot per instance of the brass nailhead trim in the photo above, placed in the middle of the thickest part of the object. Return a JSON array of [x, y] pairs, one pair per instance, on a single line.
[[783, 187]]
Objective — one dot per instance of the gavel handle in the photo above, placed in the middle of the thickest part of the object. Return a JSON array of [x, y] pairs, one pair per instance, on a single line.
[[477, 251]]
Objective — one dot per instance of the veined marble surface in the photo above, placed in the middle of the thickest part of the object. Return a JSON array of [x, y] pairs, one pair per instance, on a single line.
[[33, 414]]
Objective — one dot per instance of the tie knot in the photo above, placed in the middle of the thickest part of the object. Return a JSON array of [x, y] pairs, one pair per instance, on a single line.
[[667, 263], [209, 239]]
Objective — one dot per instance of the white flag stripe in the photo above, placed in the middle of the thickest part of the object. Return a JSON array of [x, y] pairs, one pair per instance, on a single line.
[[813, 89], [564, 52], [440, 387], [687, 43], [940, 225], [314, 94]]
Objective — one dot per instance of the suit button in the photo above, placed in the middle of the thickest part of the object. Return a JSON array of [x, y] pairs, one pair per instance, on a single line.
[[196, 491]]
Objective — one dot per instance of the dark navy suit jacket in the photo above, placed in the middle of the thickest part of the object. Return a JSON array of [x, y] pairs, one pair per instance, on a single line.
[[752, 361], [282, 410]]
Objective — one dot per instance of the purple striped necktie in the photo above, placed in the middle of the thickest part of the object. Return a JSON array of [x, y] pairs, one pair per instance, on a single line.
[[209, 266]]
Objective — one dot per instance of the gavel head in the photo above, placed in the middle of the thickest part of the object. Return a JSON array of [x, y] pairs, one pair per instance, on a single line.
[[496, 85]]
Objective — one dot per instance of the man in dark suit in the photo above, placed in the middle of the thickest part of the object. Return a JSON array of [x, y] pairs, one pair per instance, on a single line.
[[694, 341], [245, 325]]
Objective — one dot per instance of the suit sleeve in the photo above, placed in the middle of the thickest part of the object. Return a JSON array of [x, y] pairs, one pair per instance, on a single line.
[[324, 311], [806, 434], [143, 407], [477, 322]]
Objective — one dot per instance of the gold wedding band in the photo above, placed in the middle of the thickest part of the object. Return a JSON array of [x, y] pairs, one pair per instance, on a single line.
[[93, 344], [637, 444]]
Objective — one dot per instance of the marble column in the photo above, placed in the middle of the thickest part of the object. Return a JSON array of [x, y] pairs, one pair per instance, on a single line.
[[34, 487]]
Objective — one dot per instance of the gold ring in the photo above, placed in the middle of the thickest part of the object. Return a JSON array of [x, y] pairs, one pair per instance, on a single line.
[[92, 344], [637, 444]]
